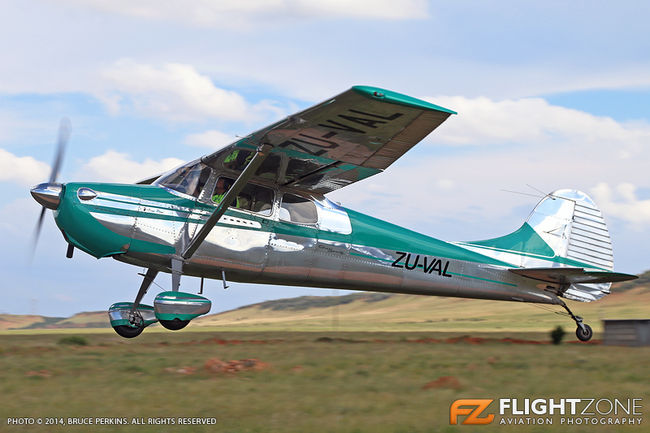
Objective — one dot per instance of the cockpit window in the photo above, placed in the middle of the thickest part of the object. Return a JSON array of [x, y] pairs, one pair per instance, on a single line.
[[188, 179], [253, 198]]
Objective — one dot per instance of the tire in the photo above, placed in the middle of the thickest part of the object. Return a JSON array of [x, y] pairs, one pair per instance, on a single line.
[[586, 334], [174, 325], [127, 331]]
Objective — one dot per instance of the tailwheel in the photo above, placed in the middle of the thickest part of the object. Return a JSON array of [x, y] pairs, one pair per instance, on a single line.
[[584, 332], [127, 331], [174, 324]]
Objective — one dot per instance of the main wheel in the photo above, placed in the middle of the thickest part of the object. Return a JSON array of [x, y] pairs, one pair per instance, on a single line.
[[586, 334], [175, 324], [127, 331]]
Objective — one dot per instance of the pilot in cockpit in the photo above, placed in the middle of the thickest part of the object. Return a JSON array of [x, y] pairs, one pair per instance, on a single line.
[[220, 190]]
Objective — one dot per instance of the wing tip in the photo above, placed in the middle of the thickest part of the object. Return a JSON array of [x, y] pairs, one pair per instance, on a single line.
[[399, 98]]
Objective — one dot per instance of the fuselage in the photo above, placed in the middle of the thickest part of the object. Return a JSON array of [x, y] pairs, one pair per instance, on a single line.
[[147, 225]]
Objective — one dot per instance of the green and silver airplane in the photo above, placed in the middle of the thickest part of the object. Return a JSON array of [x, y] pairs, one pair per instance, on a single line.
[[255, 211]]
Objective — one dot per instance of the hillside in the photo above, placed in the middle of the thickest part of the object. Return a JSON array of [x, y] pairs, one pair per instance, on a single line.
[[380, 312], [94, 319], [387, 312]]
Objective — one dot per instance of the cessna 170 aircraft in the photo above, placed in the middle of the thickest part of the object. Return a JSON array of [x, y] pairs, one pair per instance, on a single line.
[[255, 211]]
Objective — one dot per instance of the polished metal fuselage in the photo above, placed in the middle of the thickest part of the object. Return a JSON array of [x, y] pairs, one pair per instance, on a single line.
[[344, 250]]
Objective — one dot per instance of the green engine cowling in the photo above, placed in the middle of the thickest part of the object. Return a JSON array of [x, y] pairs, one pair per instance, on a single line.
[[181, 306], [119, 312]]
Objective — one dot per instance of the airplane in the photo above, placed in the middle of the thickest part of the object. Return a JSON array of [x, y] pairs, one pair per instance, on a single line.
[[256, 211]]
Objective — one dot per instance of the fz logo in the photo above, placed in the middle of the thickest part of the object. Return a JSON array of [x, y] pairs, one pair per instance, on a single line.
[[473, 408]]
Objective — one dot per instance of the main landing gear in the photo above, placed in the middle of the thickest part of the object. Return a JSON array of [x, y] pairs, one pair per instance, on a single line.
[[175, 324], [174, 309], [129, 319], [583, 331], [129, 331]]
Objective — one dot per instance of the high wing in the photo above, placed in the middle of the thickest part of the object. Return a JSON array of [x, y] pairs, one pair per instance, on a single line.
[[345, 139]]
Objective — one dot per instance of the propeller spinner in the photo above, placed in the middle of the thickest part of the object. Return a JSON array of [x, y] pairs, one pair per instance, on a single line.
[[48, 194]]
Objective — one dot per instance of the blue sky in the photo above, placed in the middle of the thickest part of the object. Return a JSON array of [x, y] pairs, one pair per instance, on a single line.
[[553, 95]]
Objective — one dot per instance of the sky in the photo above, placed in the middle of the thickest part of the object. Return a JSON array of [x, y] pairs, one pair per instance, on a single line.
[[549, 95]]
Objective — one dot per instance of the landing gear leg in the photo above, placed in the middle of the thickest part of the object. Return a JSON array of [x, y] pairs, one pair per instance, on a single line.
[[583, 331], [136, 322]]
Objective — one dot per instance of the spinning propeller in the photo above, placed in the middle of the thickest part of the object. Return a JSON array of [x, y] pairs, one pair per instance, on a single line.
[[48, 194]]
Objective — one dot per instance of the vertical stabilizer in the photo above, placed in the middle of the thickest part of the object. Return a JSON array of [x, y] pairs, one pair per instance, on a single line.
[[571, 224], [565, 230]]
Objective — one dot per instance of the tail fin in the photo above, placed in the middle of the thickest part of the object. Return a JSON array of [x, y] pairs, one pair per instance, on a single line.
[[571, 224], [565, 230]]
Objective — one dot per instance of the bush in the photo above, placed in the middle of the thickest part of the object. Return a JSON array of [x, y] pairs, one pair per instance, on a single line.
[[557, 335], [74, 340]]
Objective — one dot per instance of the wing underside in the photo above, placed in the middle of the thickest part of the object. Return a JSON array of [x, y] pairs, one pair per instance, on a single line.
[[343, 140]]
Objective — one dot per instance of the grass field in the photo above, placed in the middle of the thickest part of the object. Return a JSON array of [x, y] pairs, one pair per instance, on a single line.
[[309, 382]]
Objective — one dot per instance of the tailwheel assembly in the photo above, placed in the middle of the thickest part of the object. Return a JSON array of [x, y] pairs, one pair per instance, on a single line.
[[583, 331]]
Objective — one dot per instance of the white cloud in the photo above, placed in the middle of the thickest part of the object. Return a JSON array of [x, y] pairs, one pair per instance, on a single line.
[[622, 202], [24, 170], [234, 13], [483, 121], [516, 142], [115, 166], [174, 91], [18, 217], [212, 139]]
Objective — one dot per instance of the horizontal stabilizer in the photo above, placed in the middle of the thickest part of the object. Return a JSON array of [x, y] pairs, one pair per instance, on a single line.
[[572, 275]]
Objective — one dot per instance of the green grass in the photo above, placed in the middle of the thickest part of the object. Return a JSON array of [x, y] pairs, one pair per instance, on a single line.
[[347, 382]]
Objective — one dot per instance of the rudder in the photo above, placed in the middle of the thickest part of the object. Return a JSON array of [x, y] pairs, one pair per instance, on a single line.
[[572, 225]]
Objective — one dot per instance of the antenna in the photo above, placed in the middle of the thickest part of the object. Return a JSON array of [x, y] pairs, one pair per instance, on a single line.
[[522, 193], [540, 191]]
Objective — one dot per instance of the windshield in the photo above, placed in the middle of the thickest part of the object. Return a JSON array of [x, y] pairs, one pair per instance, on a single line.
[[188, 179]]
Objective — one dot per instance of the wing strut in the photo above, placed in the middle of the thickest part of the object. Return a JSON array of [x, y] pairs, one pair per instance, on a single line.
[[260, 155]]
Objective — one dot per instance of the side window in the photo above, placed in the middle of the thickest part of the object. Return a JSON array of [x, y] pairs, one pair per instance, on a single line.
[[256, 199], [298, 210], [253, 198]]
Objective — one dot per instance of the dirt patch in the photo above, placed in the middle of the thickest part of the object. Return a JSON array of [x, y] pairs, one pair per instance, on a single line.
[[224, 342], [39, 373], [450, 382], [338, 340], [217, 366]]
